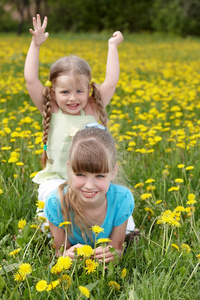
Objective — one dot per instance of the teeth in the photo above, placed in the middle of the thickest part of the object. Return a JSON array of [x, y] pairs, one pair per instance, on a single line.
[[89, 194]]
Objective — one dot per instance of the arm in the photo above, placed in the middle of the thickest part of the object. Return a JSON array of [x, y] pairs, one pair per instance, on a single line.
[[117, 239], [108, 87], [58, 234], [31, 69]]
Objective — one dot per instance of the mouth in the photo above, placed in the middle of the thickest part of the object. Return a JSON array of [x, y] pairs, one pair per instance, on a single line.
[[89, 194], [73, 105]]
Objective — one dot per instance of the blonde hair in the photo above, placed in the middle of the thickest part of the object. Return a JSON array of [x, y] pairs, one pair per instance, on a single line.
[[77, 67], [92, 150]]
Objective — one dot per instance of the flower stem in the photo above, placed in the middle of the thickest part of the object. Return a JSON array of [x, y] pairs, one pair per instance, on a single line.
[[29, 289]]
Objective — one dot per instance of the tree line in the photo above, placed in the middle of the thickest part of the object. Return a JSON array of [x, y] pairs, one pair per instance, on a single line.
[[180, 17]]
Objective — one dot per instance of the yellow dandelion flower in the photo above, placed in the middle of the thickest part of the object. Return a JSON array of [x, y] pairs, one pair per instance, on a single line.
[[64, 262], [91, 266], [147, 209], [41, 286], [33, 174], [124, 273], [42, 219], [150, 180], [52, 285], [181, 166], [158, 201], [18, 277], [33, 226], [65, 223], [12, 160], [189, 168], [97, 229], [191, 202], [145, 196], [85, 251], [179, 209], [15, 252], [151, 188], [103, 241], [1, 191], [191, 196], [114, 285], [25, 269], [185, 248], [169, 218], [179, 180], [19, 163], [40, 204], [198, 256], [84, 291], [67, 279], [165, 172], [174, 188], [57, 269], [21, 224], [175, 246], [140, 185], [189, 209]]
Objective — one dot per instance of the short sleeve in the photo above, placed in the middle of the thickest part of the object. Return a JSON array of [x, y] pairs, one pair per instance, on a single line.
[[124, 207], [52, 209]]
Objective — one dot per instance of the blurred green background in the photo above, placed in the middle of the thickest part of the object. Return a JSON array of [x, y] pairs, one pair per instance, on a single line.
[[180, 17]]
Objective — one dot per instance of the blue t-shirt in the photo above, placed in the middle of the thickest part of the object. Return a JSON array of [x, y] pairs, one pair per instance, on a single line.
[[120, 205]]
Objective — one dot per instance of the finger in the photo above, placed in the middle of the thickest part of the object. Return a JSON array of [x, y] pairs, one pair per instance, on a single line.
[[31, 31], [38, 21], [34, 23], [46, 34], [44, 25]]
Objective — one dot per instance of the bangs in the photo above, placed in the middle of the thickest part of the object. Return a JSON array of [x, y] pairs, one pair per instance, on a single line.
[[90, 157], [80, 82]]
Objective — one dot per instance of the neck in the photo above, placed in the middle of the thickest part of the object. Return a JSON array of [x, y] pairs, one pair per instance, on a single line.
[[96, 213]]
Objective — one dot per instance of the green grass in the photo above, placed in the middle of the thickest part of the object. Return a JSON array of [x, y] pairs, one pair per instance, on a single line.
[[157, 107]]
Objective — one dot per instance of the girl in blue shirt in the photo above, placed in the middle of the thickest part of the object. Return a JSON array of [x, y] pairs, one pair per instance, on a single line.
[[89, 198]]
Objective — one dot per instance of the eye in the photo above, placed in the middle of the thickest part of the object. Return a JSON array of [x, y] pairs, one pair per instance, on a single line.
[[100, 176], [65, 92], [79, 174], [79, 91]]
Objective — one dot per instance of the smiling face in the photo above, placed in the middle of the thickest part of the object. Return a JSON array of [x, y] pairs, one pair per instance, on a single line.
[[70, 95], [92, 165], [91, 188]]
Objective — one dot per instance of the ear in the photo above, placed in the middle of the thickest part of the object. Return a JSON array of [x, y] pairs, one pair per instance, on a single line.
[[114, 172]]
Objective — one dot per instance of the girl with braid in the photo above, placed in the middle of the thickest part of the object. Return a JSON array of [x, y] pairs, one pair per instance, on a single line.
[[67, 102]]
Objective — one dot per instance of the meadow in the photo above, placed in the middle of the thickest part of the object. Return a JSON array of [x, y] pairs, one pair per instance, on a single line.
[[155, 120]]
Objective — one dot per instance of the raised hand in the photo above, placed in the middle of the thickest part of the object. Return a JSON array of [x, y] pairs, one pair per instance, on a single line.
[[116, 39], [39, 34]]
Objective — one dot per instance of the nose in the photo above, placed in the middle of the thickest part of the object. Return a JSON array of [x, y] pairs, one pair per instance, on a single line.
[[72, 95], [89, 184]]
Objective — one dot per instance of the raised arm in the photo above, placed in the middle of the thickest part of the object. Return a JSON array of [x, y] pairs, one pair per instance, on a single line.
[[31, 69], [108, 87]]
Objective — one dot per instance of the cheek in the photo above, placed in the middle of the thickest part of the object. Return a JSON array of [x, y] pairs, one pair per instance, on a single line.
[[104, 186], [77, 182]]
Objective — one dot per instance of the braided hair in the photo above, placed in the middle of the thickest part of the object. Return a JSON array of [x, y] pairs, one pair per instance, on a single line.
[[77, 68]]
